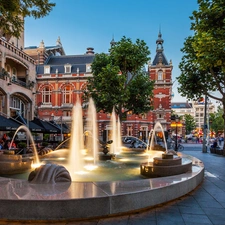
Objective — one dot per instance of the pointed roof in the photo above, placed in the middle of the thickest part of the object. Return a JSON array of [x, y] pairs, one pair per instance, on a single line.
[[160, 57]]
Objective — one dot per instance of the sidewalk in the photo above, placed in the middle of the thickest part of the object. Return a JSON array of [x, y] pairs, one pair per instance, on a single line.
[[205, 205]]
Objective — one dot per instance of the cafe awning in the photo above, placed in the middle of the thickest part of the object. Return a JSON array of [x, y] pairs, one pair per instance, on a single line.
[[48, 127], [8, 124], [65, 129], [33, 127]]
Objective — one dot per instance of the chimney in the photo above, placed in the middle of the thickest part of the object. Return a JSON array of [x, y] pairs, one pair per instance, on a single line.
[[90, 51]]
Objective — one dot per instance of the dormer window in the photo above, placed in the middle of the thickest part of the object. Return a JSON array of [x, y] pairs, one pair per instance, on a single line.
[[47, 70], [88, 68], [160, 75], [67, 68]]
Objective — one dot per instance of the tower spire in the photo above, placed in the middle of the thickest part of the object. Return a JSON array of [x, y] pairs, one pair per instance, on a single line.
[[159, 42]]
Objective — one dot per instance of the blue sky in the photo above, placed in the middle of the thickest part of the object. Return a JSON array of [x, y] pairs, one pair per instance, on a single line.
[[93, 23]]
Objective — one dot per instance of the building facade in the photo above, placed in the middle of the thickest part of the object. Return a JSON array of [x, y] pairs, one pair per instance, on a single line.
[[43, 82], [60, 79], [17, 78]]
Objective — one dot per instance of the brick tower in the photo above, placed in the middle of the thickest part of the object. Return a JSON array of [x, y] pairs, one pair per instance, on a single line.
[[161, 72]]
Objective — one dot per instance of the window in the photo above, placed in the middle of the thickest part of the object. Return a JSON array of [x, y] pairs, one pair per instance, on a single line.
[[47, 69], [144, 116], [46, 95], [67, 68], [67, 94], [67, 113], [18, 105], [160, 75], [88, 68]]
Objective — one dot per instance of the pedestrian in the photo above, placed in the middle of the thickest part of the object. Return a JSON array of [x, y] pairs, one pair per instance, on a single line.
[[215, 144], [220, 140]]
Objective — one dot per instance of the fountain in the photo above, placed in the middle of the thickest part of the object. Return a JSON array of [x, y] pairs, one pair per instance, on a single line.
[[11, 163], [58, 192], [167, 165], [115, 147]]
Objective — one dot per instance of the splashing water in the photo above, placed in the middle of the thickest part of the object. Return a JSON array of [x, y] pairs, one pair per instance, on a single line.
[[76, 159], [36, 162], [116, 134], [157, 125], [92, 145]]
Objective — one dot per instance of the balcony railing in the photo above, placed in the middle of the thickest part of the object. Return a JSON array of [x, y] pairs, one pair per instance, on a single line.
[[16, 50]]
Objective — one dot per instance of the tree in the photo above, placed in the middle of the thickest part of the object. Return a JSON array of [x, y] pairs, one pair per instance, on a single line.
[[119, 80], [190, 123], [13, 12], [203, 63], [216, 120]]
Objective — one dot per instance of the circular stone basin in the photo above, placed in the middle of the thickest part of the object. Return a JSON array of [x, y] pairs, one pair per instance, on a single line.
[[165, 167], [167, 162], [78, 200]]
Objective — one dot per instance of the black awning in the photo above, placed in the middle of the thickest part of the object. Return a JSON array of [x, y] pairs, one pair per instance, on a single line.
[[65, 129], [8, 124], [33, 127], [48, 127]]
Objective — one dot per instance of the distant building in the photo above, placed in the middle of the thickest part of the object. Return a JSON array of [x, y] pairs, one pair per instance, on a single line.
[[195, 109], [199, 109], [183, 108]]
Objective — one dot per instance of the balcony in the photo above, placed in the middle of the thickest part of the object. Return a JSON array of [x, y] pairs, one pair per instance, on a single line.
[[16, 51]]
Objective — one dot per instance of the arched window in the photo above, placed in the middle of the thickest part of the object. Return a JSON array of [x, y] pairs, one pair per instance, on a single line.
[[160, 75], [67, 94], [46, 95]]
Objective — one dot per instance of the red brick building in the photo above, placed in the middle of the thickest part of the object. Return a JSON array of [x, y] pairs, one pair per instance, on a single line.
[[60, 79]]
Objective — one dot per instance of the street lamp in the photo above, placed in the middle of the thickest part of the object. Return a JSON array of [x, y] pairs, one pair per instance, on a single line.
[[176, 120]]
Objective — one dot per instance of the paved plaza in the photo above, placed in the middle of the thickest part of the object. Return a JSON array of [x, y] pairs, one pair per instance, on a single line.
[[205, 205]]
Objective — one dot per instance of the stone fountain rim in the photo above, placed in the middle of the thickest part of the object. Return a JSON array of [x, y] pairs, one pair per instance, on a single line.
[[112, 198]]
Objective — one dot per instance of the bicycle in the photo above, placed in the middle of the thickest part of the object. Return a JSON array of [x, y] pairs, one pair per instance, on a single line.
[[180, 147]]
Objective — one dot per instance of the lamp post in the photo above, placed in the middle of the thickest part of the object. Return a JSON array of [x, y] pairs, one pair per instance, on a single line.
[[204, 146], [61, 133], [177, 120]]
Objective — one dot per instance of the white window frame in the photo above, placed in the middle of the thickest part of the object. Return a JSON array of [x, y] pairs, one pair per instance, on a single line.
[[160, 75], [67, 68], [67, 94], [47, 70], [46, 95]]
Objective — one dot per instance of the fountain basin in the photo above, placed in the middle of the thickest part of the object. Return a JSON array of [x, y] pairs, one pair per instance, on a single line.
[[78, 200], [167, 165], [13, 164]]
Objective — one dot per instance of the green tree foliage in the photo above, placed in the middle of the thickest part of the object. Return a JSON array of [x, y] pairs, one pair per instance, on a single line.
[[12, 13], [216, 120], [119, 80], [190, 123], [203, 62]]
